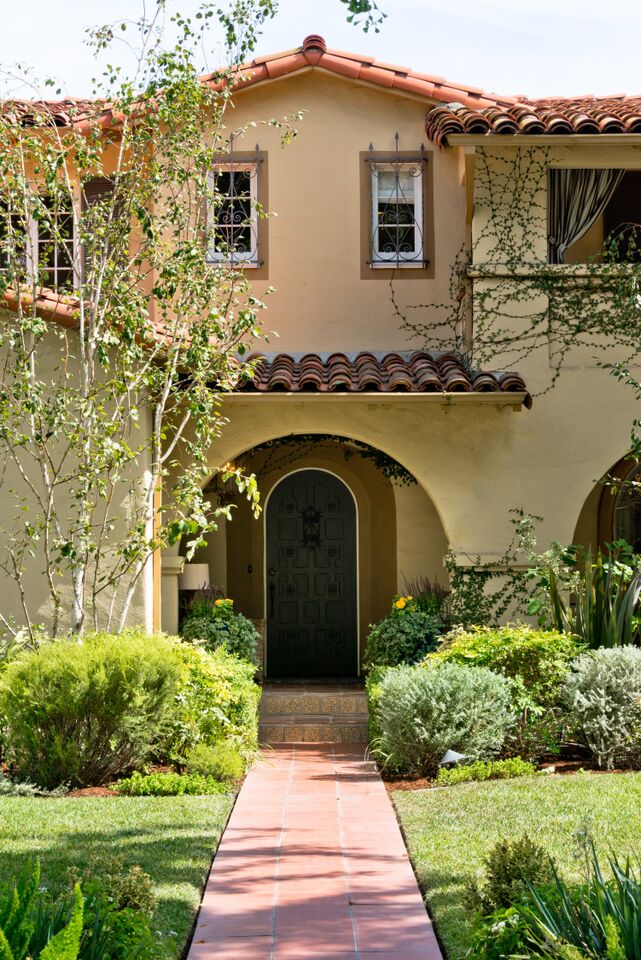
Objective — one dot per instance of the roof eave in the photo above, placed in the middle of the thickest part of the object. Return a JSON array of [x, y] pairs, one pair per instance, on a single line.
[[515, 400], [543, 139]]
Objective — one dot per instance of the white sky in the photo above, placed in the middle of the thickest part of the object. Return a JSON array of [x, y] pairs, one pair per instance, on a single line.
[[535, 47]]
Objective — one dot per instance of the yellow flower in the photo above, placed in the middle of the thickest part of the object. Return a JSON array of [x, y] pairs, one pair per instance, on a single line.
[[400, 603], [219, 602], [409, 598]]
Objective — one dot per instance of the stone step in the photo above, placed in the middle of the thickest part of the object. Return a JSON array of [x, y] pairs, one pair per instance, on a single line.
[[310, 729], [326, 703]]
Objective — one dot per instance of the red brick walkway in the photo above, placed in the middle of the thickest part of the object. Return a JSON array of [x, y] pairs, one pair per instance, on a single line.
[[312, 865]]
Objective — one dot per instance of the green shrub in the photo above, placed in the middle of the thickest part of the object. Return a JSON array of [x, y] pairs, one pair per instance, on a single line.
[[423, 711], [373, 691], [405, 635], [511, 868], [125, 887], [603, 697], [221, 761], [503, 933], [169, 785], [485, 770], [217, 700], [83, 712], [214, 623], [540, 658]]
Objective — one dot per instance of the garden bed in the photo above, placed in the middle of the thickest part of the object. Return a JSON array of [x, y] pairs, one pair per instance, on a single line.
[[172, 838], [450, 831]]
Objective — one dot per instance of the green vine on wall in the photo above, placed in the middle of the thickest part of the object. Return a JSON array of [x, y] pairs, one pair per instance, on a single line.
[[507, 303]]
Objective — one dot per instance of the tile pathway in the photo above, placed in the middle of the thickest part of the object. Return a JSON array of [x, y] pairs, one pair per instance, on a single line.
[[313, 865]]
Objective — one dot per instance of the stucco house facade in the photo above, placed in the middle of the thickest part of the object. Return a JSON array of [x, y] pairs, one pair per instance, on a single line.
[[378, 448]]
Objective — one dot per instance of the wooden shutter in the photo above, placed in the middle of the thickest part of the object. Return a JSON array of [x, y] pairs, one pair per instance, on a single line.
[[94, 191]]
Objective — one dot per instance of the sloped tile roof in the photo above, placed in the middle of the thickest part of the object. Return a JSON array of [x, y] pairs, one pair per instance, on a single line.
[[372, 372], [554, 116], [314, 53]]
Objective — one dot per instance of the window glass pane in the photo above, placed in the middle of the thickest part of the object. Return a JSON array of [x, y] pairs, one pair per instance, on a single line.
[[396, 187], [55, 245]]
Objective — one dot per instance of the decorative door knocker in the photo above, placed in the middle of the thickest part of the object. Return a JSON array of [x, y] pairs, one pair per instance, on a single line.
[[311, 528]]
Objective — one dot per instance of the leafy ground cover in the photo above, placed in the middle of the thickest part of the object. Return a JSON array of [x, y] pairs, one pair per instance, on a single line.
[[450, 831], [171, 838]]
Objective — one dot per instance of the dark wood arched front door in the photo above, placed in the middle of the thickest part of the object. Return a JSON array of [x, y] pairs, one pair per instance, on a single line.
[[311, 578]]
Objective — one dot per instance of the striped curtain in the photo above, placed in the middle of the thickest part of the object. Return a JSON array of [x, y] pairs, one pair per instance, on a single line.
[[575, 200]]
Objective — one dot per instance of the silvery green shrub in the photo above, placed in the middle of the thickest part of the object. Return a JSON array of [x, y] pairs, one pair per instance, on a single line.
[[603, 694], [423, 711]]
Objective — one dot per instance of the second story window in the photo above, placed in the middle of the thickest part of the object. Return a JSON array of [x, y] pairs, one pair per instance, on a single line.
[[52, 243], [40, 251], [233, 214], [398, 203]]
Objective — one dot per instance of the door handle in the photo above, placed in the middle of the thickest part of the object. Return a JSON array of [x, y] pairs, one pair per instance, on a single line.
[[272, 591]]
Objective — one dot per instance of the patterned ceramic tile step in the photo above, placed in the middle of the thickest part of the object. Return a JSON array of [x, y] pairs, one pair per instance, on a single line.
[[332, 702], [279, 732]]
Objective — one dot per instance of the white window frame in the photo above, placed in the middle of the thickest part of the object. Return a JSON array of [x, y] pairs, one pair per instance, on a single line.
[[416, 259], [246, 258]]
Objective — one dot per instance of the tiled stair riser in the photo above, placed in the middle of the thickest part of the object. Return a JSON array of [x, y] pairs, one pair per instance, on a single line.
[[308, 716]]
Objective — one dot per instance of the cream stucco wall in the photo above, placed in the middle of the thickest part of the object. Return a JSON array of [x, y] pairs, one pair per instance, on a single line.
[[19, 477], [314, 259]]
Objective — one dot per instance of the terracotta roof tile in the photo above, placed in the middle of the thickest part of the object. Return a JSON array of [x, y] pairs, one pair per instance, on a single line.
[[552, 116], [372, 372]]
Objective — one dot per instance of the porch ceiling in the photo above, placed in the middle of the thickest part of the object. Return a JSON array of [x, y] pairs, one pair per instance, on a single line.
[[418, 372]]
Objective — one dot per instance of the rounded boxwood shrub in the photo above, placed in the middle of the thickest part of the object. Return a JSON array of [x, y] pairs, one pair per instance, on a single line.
[[215, 623], [539, 658], [603, 695], [405, 635], [83, 711], [423, 711]]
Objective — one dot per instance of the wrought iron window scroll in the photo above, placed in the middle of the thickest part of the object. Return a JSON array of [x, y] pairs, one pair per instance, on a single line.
[[398, 190], [233, 217]]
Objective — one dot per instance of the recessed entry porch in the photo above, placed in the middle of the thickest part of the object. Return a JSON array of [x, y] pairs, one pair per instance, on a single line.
[[344, 528]]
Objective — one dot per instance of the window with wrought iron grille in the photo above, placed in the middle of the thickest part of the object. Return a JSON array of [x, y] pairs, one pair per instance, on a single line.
[[398, 203], [233, 219]]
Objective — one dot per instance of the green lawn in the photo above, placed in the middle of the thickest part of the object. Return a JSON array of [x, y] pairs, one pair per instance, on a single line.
[[172, 838], [450, 830]]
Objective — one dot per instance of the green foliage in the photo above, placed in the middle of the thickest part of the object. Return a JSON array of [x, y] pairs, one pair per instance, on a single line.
[[535, 660], [221, 761], [601, 919], [217, 700], [602, 607], [18, 926], [124, 887], [423, 711], [540, 658], [603, 697], [214, 623], [484, 770], [81, 713], [511, 867], [504, 933], [429, 596], [65, 945], [405, 635], [170, 785]]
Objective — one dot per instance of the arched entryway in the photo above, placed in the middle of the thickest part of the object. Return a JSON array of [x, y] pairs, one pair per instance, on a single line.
[[311, 577]]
